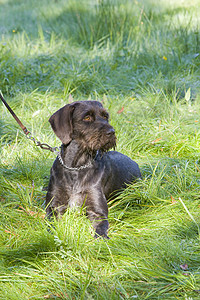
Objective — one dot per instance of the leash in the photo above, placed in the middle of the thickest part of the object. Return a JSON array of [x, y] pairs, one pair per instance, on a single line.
[[14, 115], [42, 145], [26, 131]]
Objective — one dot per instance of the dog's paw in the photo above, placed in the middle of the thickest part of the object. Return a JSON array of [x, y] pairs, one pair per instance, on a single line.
[[103, 236]]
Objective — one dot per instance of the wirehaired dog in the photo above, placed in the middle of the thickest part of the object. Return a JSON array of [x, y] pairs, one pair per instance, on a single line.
[[85, 172]]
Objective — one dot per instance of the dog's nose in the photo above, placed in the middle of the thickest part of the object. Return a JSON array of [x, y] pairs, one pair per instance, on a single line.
[[110, 131]]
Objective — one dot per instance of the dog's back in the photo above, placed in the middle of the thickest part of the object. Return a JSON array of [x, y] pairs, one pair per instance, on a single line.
[[120, 170]]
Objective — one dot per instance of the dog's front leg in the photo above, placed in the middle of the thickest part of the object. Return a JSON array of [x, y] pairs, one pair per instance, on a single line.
[[56, 199], [97, 212]]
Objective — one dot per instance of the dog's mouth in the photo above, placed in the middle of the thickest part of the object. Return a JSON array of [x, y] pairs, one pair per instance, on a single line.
[[102, 144], [99, 140], [109, 145]]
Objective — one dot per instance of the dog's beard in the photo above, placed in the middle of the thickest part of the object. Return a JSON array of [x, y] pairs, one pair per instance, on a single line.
[[103, 144], [109, 145], [97, 141]]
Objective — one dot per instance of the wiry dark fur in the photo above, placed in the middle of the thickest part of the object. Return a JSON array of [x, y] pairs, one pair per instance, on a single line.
[[86, 137]]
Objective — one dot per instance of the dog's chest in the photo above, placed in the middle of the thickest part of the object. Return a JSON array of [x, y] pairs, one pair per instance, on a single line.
[[75, 188], [75, 200], [78, 185]]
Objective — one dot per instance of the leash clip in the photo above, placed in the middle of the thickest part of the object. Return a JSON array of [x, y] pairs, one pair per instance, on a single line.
[[41, 145]]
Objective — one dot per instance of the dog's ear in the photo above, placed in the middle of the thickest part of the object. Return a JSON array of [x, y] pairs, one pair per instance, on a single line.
[[61, 123]]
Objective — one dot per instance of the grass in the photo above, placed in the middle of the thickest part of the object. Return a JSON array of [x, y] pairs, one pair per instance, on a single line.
[[142, 59]]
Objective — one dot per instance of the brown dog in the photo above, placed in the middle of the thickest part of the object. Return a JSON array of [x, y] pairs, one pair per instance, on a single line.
[[85, 172]]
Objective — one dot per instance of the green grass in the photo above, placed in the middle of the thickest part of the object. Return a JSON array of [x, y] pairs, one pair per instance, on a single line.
[[142, 59]]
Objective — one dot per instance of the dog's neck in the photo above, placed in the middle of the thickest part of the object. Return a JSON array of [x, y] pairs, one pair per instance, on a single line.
[[74, 156]]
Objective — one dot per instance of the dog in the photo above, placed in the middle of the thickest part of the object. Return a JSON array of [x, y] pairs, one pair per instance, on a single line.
[[85, 172]]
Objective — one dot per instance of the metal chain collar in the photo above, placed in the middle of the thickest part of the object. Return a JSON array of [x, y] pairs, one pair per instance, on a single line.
[[89, 165]]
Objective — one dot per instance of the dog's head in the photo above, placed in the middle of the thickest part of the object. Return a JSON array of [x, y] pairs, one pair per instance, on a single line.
[[86, 122]]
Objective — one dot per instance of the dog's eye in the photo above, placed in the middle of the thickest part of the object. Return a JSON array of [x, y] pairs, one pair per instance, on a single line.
[[105, 116], [87, 118]]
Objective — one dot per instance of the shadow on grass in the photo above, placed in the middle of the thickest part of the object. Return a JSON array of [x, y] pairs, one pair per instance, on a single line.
[[187, 229], [119, 63], [32, 251]]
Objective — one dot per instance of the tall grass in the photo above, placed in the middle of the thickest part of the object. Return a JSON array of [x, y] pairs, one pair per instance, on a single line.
[[141, 59]]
